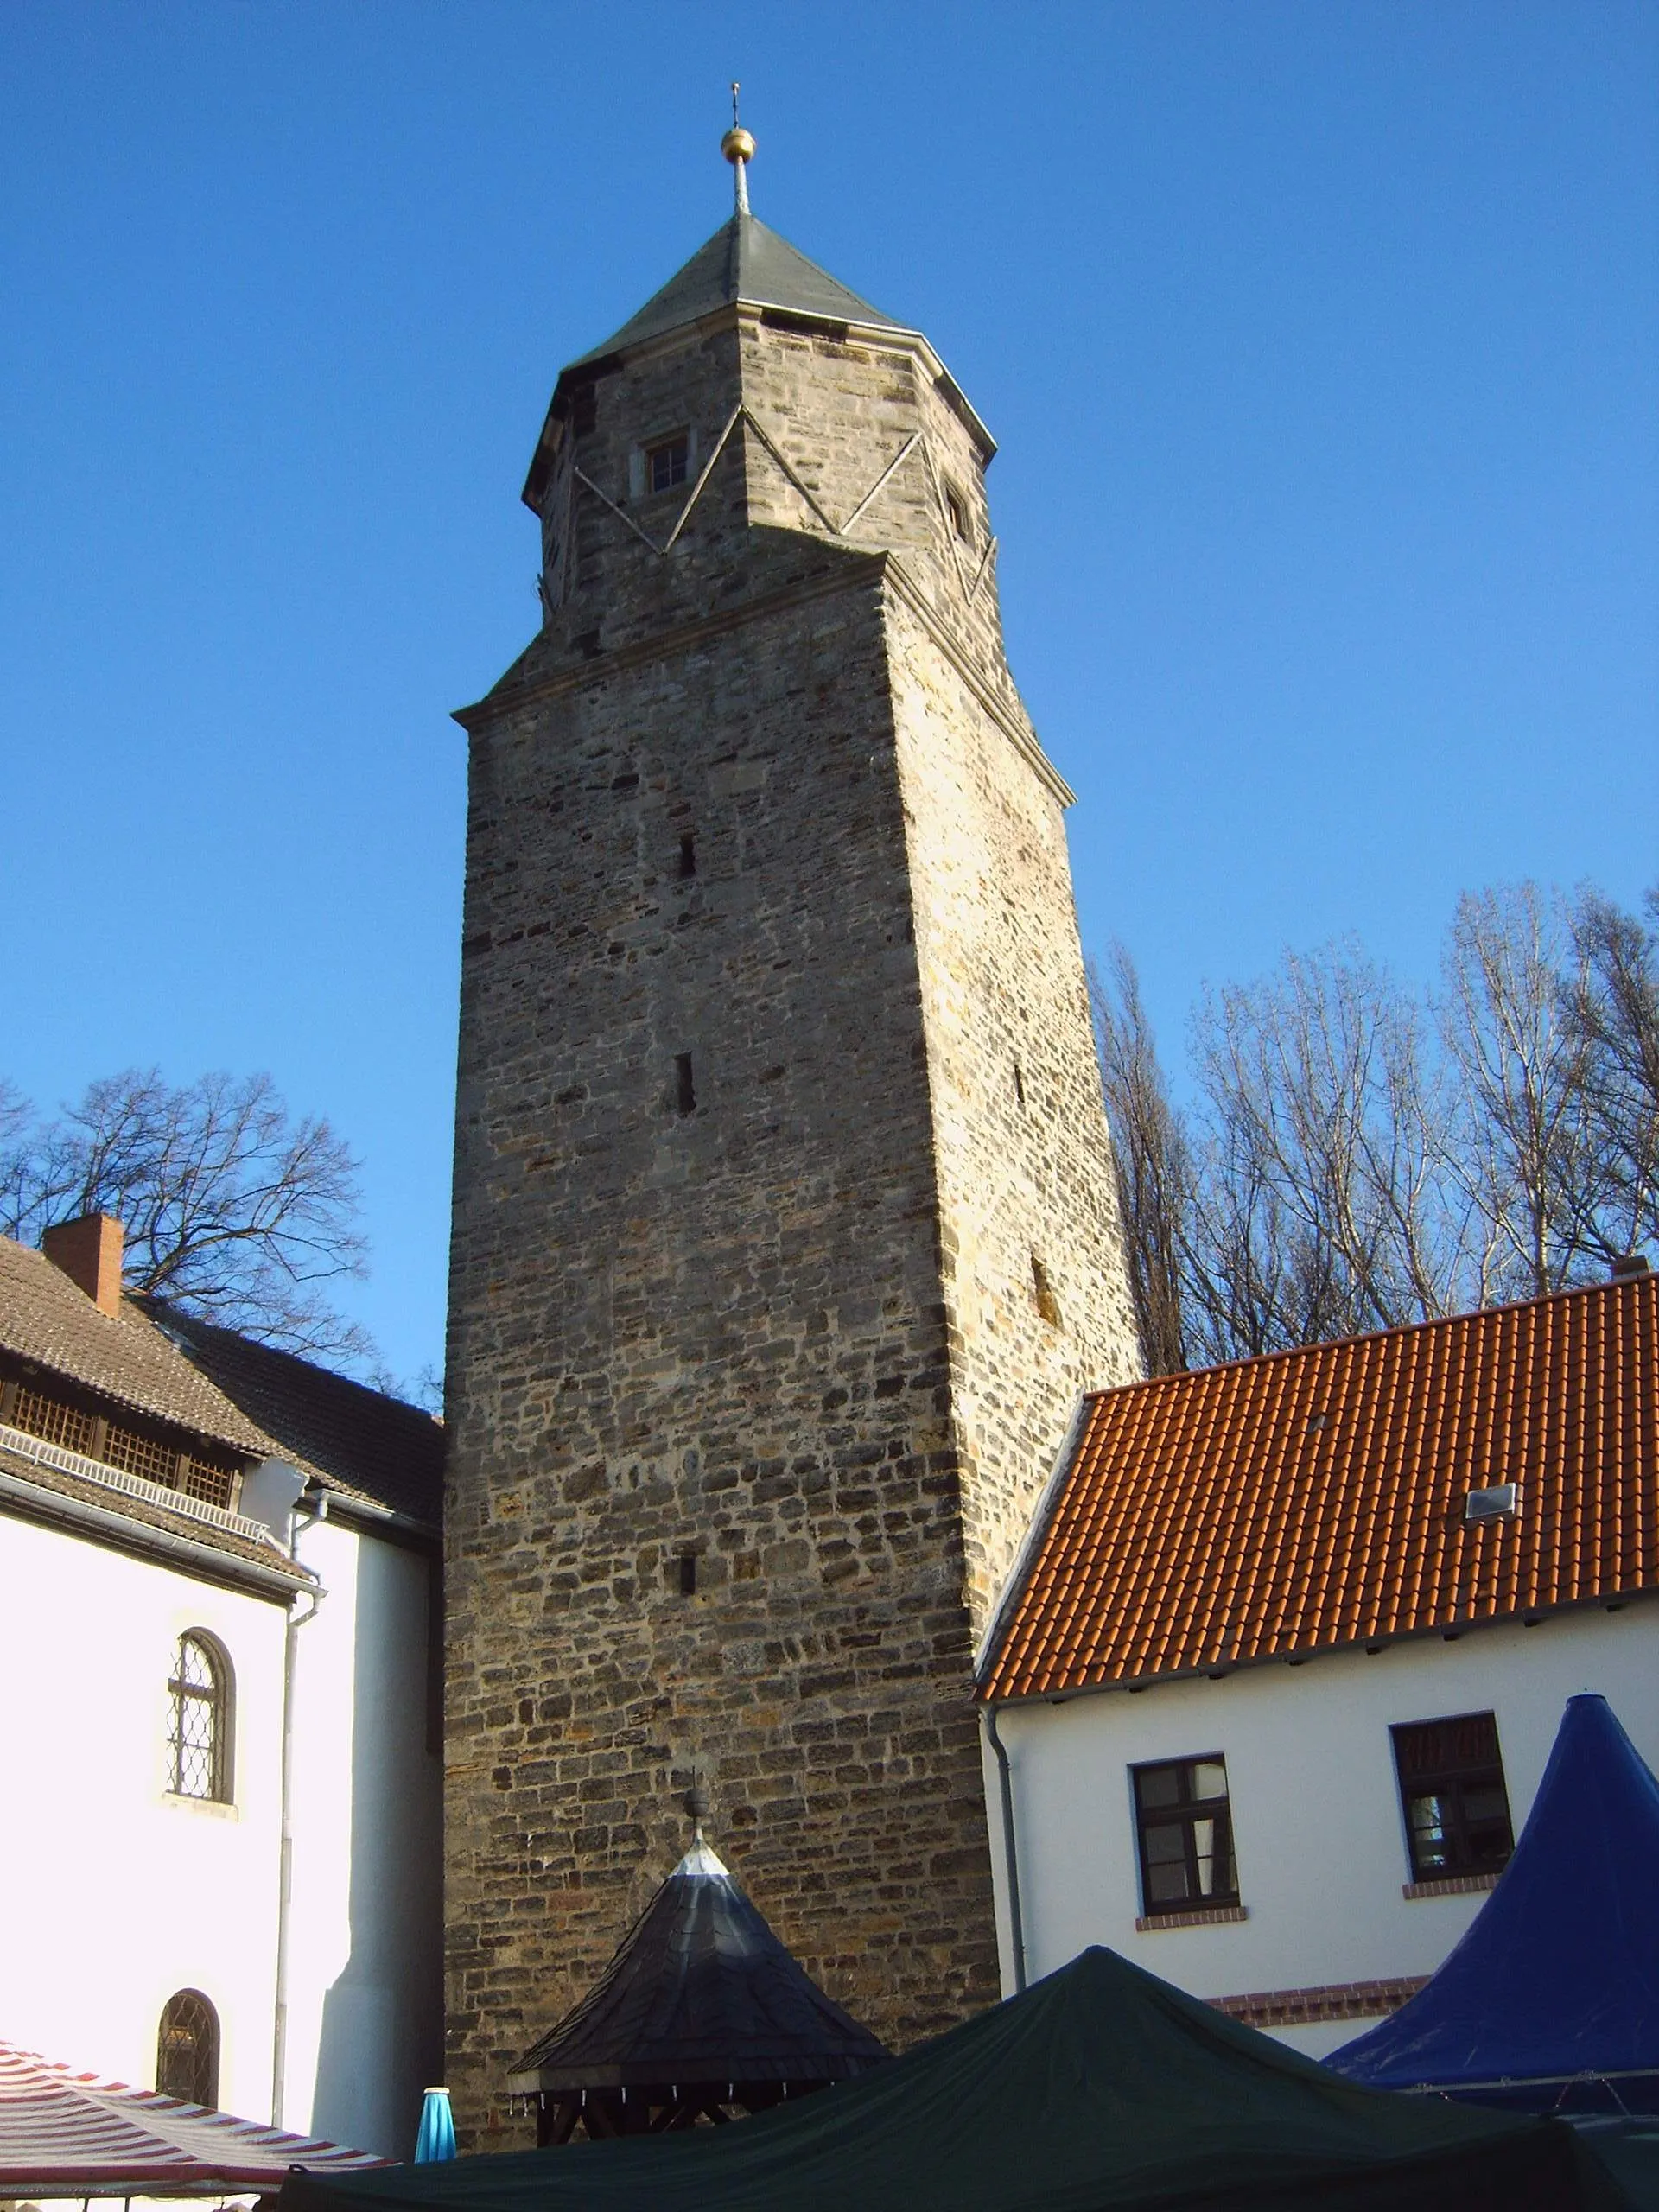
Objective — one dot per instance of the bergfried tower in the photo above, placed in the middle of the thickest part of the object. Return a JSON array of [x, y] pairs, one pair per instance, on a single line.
[[785, 1233]]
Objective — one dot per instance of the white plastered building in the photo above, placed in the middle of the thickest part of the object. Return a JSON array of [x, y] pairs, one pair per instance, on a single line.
[[1276, 1678], [220, 1865]]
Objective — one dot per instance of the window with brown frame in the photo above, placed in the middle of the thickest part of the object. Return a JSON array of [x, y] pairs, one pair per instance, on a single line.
[[1453, 1795], [186, 2049], [666, 464], [1184, 1826]]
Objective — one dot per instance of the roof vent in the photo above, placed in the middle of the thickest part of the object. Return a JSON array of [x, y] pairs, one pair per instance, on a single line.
[[1496, 1502], [1629, 1266]]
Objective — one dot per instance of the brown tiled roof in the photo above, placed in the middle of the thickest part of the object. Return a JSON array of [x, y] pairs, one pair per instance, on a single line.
[[357, 1441], [47, 1320], [1315, 1498]]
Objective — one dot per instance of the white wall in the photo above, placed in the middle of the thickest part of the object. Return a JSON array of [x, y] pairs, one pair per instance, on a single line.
[[365, 2026], [113, 1894], [1316, 1823]]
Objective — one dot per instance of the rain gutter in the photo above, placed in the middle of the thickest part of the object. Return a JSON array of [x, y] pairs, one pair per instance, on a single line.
[[296, 1621], [1010, 1855]]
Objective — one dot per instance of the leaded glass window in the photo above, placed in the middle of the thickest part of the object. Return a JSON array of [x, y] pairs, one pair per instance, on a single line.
[[186, 2049], [199, 1726]]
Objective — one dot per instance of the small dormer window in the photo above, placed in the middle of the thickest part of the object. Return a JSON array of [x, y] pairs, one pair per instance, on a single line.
[[666, 463]]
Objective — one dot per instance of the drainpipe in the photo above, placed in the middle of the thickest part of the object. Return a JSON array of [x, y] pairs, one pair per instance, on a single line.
[[296, 1621], [1010, 1856]]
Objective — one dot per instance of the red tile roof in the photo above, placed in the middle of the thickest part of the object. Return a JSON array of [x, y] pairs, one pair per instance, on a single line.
[[1315, 1498]]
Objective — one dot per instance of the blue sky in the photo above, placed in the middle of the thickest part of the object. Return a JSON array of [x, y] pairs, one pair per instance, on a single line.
[[1321, 342]]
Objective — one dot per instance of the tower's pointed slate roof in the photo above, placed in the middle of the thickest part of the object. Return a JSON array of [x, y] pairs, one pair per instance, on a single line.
[[700, 1990], [744, 260]]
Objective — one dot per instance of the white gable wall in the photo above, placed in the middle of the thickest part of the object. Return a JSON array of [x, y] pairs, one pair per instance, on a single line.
[[1316, 1823], [366, 2027], [114, 1894]]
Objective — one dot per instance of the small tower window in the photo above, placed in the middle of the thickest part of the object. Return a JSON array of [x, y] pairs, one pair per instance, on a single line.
[[1019, 1085], [958, 507], [186, 2049], [688, 1574], [688, 855], [685, 1090], [198, 1721], [666, 464]]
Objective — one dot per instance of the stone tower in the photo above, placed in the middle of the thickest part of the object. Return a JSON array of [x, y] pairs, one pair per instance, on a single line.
[[784, 1224]]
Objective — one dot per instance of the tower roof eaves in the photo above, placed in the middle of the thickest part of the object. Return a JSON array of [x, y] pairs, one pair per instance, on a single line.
[[745, 264]]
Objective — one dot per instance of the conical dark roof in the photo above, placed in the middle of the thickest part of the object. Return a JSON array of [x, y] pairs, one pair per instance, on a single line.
[[700, 1990], [744, 260]]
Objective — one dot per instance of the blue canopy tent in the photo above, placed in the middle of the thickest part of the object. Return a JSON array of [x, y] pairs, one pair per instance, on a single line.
[[1550, 2003]]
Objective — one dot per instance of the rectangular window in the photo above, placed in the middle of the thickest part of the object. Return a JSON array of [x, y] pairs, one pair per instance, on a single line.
[[1451, 1792], [665, 465], [1185, 1834]]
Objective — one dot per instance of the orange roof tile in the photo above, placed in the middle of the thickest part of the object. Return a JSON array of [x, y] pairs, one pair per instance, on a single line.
[[1315, 1498]]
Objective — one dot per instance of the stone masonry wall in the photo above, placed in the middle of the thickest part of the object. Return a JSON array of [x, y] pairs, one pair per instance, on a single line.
[[719, 1332], [766, 889], [1025, 1164]]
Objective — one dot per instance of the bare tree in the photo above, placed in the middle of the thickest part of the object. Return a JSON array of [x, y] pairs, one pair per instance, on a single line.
[[1320, 1210], [1615, 1007], [1154, 1167], [1359, 1157], [233, 1209], [1525, 1147]]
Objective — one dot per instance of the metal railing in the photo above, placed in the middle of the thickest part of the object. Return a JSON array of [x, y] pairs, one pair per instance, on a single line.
[[109, 1478]]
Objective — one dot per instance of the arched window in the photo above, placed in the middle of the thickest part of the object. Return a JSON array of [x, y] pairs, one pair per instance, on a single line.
[[200, 1718], [186, 2049]]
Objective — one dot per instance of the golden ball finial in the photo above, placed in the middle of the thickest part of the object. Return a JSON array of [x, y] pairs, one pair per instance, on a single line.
[[738, 144]]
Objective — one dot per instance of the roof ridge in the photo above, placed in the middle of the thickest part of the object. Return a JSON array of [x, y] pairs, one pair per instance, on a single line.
[[1372, 1336], [169, 1312]]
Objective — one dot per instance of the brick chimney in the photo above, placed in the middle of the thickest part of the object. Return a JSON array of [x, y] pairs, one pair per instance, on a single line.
[[1629, 1267], [89, 1252]]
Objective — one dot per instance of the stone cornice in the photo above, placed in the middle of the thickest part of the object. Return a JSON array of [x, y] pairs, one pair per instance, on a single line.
[[501, 702], [864, 568]]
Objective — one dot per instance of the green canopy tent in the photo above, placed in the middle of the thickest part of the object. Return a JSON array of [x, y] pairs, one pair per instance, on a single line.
[[1102, 2088]]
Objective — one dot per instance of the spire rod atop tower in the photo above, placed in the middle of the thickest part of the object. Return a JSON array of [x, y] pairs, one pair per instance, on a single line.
[[738, 146]]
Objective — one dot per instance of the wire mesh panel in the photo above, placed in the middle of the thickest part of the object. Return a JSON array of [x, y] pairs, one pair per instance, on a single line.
[[216, 1485], [186, 2049], [140, 1455], [52, 1422], [196, 1730]]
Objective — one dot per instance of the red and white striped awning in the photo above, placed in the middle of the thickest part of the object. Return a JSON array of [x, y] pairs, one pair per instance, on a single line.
[[68, 2135]]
